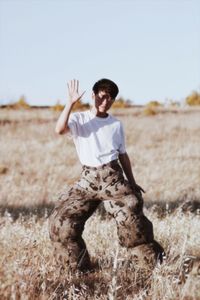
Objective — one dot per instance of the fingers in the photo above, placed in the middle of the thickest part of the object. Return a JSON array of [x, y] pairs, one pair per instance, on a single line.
[[68, 87], [73, 91], [73, 85], [77, 86]]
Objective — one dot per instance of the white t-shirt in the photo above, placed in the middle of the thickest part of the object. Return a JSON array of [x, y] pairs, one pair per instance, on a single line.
[[97, 140]]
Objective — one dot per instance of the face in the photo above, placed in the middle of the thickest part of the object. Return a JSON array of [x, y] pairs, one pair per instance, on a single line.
[[103, 101]]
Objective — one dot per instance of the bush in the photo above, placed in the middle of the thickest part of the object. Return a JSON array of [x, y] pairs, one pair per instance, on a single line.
[[174, 103], [81, 106], [58, 106], [193, 99], [150, 111], [121, 103], [154, 104], [78, 106], [151, 108], [20, 104]]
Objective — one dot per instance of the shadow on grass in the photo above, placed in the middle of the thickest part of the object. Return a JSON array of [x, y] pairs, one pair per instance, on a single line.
[[41, 210], [44, 210]]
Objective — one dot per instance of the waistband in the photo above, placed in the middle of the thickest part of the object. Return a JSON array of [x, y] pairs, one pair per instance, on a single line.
[[104, 166]]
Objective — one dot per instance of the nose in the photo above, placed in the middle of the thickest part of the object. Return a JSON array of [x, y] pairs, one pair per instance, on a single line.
[[105, 102]]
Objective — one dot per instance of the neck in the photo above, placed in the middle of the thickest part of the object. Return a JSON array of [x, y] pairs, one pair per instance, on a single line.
[[98, 113]]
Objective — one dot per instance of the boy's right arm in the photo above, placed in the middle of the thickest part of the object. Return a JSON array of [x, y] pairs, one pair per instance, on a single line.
[[74, 96]]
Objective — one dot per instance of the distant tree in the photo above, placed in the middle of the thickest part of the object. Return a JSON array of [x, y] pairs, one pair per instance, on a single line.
[[20, 104], [78, 106], [81, 106], [58, 106], [172, 103], [121, 103], [193, 99], [152, 108], [154, 103]]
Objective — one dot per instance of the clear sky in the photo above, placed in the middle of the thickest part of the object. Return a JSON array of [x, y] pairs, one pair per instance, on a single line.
[[150, 48]]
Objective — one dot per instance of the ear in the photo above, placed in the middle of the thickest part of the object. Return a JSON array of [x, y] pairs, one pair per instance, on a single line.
[[93, 95]]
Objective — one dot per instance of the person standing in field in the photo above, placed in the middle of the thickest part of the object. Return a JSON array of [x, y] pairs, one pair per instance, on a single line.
[[100, 145]]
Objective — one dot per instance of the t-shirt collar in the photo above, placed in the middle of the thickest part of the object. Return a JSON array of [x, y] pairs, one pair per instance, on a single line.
[[98, 118]]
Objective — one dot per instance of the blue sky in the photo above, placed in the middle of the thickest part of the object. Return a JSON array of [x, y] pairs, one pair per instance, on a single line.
[[150, 48]]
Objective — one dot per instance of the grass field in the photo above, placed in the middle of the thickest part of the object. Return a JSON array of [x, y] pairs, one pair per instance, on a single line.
[[35, 164]]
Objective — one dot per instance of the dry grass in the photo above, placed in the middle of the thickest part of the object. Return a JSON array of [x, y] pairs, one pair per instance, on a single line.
[[35, 164]]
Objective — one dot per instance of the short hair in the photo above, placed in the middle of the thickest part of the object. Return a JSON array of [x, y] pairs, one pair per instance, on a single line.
[[106, 85]]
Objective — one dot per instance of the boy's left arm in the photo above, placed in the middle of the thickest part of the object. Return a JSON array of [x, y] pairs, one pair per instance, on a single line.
[[126, 165]]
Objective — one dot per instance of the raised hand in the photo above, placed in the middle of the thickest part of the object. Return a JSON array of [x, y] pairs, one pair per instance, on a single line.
[[73, 91]]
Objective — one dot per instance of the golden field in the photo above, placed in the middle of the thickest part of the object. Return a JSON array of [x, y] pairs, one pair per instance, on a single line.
[[36, 163]]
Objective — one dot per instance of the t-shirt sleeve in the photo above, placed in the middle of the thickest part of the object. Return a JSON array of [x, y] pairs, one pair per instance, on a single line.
[[72, 124], [122, 147]]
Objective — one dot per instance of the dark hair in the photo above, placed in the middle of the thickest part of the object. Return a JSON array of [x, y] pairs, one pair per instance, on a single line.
[[106, 85]]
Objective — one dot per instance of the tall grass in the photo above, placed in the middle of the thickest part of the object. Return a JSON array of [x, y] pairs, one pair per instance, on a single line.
[[35, 164]]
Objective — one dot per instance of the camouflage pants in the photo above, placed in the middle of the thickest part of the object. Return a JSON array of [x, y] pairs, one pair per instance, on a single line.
[[76, 205]]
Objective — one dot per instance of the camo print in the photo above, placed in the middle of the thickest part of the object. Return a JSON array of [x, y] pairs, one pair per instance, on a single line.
[[77, 203]]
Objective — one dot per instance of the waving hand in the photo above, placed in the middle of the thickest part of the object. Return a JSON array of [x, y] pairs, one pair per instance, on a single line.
[[73, 91]]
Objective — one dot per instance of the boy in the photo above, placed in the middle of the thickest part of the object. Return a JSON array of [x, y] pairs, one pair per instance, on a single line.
[[99, 141]]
